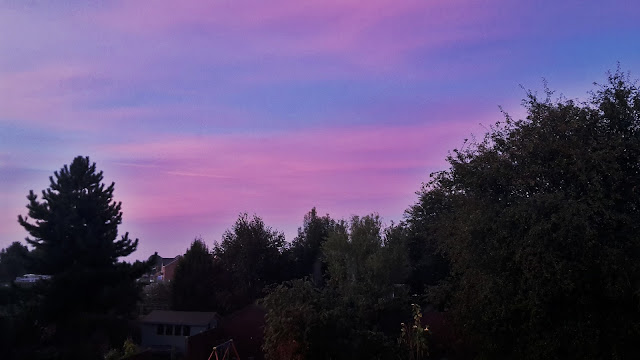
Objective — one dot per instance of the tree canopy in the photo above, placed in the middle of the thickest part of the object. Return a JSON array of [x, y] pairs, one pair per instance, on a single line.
[[77, 220], [74, 232], [194, 286], [306, 248], [540, 222], [250, 255], [13, 261], [361, 257], [354, 315]]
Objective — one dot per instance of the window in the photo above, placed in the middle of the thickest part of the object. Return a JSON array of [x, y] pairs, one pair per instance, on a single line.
[[160, 329], [186, 330], [168, 330], [176, 330]]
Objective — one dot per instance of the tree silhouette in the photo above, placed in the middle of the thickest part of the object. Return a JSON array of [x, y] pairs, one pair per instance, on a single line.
[[306, 248], [194, 286], [540, 223], [250, 254], [13, 261], [74, 231]]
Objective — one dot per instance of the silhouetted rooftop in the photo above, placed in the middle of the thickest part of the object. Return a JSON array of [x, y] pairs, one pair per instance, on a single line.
[[197, 318]]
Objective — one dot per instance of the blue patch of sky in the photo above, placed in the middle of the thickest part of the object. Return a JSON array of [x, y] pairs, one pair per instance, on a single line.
[[16, 138]]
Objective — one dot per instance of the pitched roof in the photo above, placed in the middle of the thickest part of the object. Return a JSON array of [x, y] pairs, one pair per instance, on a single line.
[[196, 318], [167, 261]]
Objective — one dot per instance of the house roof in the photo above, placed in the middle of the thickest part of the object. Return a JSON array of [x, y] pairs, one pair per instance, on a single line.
[[167, 261], [174, 263], [196, 318]]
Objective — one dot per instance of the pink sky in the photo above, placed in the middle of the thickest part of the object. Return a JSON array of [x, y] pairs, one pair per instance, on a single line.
[[202, 110]]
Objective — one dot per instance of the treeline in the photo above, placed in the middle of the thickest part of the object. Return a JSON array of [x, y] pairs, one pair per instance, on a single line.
[[529, 243], [338, 290], [251, 256], [526, 247]]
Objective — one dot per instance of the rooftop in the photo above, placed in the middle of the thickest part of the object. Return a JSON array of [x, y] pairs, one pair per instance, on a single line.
[[197, 318]]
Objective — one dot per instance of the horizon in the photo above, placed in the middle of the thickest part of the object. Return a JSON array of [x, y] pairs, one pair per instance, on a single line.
[[204, 111]]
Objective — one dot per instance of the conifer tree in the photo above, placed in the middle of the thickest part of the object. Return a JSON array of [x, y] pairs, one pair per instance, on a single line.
[[74, 232]]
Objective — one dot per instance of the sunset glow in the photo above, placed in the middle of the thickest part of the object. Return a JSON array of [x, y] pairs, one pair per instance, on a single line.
[[199, 111]]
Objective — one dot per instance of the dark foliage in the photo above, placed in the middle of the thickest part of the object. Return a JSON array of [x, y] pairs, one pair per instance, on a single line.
[[74, 232], [250, 257], [13, 262], [76, 224], [357, 314], [306, 322], [306, 248], [194, 286], [540, 222]]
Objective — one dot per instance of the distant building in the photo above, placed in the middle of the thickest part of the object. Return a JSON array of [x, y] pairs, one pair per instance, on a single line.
[[164, 330], [168, 270], [163, 269]]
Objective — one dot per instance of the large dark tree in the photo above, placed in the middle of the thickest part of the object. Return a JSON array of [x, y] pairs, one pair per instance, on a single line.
[[306, 248], [541, 223], [250, 255], [13, 261], [194, 285], [74, 232]]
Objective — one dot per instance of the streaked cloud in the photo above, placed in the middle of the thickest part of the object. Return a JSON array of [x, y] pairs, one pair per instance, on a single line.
[[202, 109]]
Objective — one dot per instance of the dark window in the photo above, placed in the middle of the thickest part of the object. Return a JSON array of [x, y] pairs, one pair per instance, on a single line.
[[160, 329], [176, 330], [169, 330], [186, 330]]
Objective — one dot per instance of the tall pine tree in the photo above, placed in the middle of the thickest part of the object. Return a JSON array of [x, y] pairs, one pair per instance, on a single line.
[[74, 232]]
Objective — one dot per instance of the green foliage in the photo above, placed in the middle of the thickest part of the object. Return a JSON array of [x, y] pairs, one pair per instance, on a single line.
[[428, 266], [349, 249], [193, 287], [250, 256], [393, 264], [290, 314], [129, 347], [361, 263], [306, 248], [13, 261], [540, 223], [156, 296], [345, 319], [306, 322], [112, 354], [414, 337]]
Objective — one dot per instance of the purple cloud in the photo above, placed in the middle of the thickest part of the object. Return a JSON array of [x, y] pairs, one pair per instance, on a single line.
[[201, 110]]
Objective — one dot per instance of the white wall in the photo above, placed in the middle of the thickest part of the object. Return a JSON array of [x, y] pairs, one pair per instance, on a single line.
[[150, 336]]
